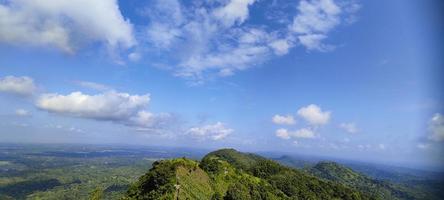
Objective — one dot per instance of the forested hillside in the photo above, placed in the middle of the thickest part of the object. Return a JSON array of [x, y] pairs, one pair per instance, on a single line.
[[229, 174]]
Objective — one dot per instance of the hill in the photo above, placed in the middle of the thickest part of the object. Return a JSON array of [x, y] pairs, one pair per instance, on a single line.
[[377, 181], [377, 189], [229, 174]]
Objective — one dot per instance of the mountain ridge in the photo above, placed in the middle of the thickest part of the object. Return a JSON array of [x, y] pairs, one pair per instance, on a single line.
[[229, 174]]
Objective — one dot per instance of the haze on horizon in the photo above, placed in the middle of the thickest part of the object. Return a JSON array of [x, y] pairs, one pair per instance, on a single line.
[[342, 78]]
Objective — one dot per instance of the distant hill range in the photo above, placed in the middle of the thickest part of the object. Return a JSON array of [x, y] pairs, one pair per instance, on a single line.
[[231, 175]]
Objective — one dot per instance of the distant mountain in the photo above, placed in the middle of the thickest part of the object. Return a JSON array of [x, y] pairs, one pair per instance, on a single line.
[[229, 174], [375, 188], [379, 182], [377, 171], [296, 163]]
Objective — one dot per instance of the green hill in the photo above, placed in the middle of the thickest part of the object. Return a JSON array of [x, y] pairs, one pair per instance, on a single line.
[[228, 174], [377, 189]]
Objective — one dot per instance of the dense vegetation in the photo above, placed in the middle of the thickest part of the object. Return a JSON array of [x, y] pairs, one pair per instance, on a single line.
[[71, 172], [379, 182], [341, 174], [108, 172], [228, 174]]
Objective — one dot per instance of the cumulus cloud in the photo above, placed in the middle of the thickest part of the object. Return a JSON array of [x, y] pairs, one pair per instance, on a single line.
[[104, 106], [215, 131], [22, 113], [64, 24], [436, 128], [121, 108], [283, 120], [283, 133], [23, 85], [234, 11], [314, 115], [300, 133], [349, 127], [216, 38]]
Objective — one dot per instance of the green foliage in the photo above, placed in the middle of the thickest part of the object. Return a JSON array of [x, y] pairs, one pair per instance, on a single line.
[[224, 174], [21, 189], [170, 178], [97, 194], [26, 174], [293, 183], [231, 175], [375, 188]]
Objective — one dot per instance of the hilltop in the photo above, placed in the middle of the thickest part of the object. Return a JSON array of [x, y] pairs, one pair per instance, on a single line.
[[229, 174]]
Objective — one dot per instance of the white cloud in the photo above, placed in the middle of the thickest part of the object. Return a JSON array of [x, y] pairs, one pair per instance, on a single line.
[[436, 128], [18, 85], [134, 56], [93, 85], [283, 133], [145, 119], [166, 20], [235, 11], [349, 127], [314, 20], [314, 115], [64, 24], [162, 35], [22, 113], [215, 131], [104, 106], [111, 106], [281, 46], [205, 39], [304, 133], [317, 16], [285, 120], [313, 42], [200, 39], [300, 133]]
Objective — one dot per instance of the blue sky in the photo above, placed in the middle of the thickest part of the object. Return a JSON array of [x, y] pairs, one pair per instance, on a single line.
[[350, 79]]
